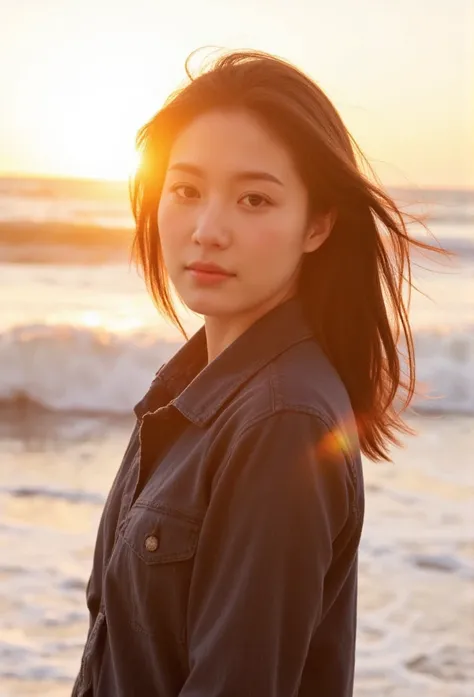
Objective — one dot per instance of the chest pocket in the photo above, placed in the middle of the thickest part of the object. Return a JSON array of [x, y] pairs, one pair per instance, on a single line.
[[158, 548]]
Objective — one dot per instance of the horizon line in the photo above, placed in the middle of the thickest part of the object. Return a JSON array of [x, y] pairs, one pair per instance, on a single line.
[[25, 176]]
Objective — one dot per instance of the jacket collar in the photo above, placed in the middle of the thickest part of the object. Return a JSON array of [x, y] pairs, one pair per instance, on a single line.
[[199, 390]]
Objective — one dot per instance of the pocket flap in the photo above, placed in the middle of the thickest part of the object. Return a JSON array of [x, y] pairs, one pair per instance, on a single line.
[[159, 536]]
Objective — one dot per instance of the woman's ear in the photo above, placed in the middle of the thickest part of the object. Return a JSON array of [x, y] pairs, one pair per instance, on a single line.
[[319, 230]]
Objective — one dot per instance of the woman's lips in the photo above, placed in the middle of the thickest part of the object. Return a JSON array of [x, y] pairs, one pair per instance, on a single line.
[[208, 277]]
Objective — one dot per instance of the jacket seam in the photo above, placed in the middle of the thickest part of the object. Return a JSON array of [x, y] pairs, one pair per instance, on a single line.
[[274, 396], [168, 510]]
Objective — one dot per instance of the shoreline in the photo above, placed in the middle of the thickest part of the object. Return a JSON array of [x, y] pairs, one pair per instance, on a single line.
[[26, 413], [416, 562]]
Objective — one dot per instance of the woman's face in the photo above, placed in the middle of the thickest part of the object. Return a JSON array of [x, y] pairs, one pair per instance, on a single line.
[[232, 197]]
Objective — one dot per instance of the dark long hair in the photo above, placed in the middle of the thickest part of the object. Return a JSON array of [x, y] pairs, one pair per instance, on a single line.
[[352, 287]]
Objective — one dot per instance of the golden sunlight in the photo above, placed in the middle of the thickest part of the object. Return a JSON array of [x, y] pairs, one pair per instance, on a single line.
[[95, 154], [88, 122]]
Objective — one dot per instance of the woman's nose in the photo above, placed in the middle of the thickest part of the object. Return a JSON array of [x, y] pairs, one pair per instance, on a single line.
[[211, 226]]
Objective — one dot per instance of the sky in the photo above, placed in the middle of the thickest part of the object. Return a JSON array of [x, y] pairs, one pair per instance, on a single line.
[[79, 77]]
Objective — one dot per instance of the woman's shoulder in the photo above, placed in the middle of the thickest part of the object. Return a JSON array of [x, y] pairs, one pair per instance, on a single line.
[[303, 376], [300, 379], [288, 429], [296, 389]]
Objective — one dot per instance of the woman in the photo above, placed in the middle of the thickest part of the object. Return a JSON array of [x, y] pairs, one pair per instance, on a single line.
[[226, 557]]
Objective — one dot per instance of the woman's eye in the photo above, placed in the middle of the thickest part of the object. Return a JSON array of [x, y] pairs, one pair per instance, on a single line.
[[255, 200], [185, 191]]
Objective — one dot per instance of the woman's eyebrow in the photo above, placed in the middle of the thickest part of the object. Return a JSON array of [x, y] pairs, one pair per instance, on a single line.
[[237, 176]]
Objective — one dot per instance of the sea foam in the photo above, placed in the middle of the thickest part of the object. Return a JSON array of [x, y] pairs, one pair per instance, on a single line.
[[92, 370]]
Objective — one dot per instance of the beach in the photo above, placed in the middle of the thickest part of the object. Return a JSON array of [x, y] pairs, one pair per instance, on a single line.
[[80, 342], [416, 587]]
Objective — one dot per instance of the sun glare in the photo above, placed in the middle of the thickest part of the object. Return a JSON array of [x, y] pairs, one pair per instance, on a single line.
[[96, 142], [91, 319], [135, 159], [108, 160]]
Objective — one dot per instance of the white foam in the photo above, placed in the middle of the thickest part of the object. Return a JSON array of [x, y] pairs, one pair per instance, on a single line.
[[88, 369], [445, 369], [79, 369]]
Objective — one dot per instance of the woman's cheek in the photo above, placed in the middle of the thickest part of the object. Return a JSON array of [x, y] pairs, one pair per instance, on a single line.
[[266, 238], [171, 227]]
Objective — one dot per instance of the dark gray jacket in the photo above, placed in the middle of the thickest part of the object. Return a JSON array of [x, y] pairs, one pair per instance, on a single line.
[[226, 557]]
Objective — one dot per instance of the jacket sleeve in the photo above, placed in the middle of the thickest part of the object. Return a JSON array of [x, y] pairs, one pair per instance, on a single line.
[[279, 501]]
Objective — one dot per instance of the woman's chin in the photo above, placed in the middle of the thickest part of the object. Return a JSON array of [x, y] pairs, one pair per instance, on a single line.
[[208, 306]]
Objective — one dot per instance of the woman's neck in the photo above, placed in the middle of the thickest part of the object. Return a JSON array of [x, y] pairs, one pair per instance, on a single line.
[[223, 330]]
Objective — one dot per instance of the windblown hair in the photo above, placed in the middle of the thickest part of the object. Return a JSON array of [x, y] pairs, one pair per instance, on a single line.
[[352, 287]]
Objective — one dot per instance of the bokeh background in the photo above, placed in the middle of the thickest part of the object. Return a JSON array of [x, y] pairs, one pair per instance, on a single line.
[[80, 340]]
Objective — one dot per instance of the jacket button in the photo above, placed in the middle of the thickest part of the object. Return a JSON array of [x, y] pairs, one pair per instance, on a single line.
[[151, 543]]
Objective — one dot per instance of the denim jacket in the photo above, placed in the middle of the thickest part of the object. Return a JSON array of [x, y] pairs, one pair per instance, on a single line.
[[226, 557]]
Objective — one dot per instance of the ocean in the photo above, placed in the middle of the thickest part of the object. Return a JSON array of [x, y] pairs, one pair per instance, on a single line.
[[79, 344], [78, 331]]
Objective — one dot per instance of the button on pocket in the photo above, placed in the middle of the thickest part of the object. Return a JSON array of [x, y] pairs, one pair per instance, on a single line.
[[151, 543], [154, 567], [159, 536]]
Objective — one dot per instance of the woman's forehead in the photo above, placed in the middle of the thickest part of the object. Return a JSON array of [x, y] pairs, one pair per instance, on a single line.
[[235, 142]]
